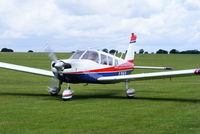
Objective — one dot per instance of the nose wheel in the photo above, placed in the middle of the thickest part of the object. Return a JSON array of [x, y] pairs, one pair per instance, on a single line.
[[130, 92], [67, 93]]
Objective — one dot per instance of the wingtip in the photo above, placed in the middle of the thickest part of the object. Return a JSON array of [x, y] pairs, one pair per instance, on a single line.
[[197, 71], [168, 68]]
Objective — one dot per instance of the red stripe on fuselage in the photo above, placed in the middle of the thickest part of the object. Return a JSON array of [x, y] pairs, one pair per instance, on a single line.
[[123, 67]]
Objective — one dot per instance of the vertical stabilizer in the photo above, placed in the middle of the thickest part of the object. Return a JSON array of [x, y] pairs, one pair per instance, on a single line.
[[130, 52]]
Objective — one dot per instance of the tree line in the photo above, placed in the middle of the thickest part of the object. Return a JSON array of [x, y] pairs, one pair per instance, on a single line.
[[11, 50], [141, 51], [160, 51], [173, 51]]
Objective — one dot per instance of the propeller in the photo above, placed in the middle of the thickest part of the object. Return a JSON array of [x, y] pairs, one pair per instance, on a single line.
[[57, 67], [54, 86], [51, 54]]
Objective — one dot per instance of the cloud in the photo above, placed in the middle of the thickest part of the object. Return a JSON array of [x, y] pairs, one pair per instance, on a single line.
[[100, 23], [192, 4]]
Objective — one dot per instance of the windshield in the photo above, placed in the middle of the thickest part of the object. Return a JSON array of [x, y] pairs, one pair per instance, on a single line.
[[91, 55], [77, 55]]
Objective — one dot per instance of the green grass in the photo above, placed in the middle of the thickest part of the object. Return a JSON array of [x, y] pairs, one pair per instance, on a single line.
[[161, 106]]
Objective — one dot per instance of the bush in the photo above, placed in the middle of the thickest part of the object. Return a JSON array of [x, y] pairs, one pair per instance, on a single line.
[[161, 51], [30, 51], [174, 51], [6, 50], [190, 52]]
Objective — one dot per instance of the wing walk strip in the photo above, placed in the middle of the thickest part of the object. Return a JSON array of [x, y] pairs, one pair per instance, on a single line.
[[26, 69], [150, 75]]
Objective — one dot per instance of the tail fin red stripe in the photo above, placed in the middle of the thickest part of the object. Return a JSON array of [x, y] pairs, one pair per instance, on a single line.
[[133, 38]]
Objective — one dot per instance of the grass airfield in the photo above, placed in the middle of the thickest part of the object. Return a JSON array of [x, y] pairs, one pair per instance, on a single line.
[[161, 106]]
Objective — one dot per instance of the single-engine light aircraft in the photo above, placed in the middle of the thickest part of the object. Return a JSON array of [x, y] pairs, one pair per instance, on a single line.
[[92, 66]]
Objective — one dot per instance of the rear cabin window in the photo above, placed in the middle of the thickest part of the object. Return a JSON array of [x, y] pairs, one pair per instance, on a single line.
[[116, 62], [91, 55], [103, 59], [77, 55]]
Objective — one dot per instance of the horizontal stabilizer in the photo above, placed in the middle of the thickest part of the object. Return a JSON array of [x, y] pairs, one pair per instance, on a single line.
[[26, 69]]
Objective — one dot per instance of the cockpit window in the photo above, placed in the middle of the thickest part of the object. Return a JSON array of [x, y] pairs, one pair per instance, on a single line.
[[77, 55], [91, 55]]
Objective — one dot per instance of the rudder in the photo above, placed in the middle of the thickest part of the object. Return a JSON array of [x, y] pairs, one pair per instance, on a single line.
[[130, 52]]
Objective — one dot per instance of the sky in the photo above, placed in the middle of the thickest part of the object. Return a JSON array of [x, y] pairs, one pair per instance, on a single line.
[[70, 25]]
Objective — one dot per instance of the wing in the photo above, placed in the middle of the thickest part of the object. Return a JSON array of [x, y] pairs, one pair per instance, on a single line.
[[150, 75], [26, 69], [150, 67]]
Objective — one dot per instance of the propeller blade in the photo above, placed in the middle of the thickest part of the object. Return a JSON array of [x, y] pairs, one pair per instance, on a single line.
[[53, 86], [54, 82], [51, 54]]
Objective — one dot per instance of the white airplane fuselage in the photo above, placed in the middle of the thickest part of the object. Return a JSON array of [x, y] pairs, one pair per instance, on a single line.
[[85, 70]]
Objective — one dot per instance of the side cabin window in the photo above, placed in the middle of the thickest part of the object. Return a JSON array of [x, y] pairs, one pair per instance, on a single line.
[[77, 55], [110, 61], [103, 59], [91, 55], [106, 60]]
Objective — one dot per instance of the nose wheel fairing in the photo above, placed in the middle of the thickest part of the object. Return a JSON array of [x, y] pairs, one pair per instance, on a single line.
[[67, 94]]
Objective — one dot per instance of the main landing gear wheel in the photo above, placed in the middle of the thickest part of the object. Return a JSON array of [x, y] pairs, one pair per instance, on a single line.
[[67, 93], [54, 91], [55, 86], [130, 92]]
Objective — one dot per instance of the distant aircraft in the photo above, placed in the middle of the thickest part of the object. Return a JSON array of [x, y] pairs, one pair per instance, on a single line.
[[92, 66]]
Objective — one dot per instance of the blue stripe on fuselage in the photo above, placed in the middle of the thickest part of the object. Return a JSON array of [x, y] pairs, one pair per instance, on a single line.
[[91, 77]]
